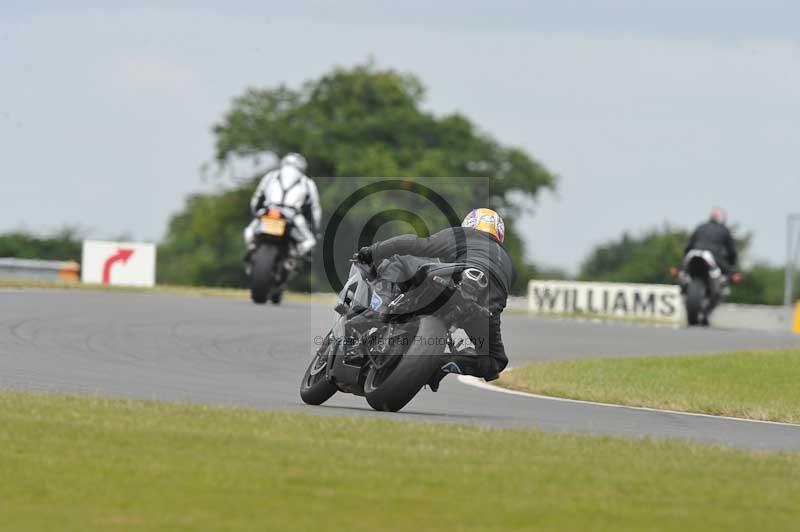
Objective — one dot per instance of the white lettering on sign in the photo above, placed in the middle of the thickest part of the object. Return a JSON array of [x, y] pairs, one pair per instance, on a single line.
[[118, 263], [659, 302]]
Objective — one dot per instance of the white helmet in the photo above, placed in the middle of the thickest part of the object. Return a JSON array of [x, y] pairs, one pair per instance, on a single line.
[[296, 160]]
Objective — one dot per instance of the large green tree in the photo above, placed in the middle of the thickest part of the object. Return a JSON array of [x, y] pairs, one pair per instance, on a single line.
[[351, 124]]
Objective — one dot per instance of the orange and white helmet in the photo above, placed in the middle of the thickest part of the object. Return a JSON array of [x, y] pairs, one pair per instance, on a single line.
[[486, 220]]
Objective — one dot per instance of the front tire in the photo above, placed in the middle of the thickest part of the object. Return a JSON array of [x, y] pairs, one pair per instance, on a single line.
[[261, 276], [391, 392], [315, 388], [695, 293]]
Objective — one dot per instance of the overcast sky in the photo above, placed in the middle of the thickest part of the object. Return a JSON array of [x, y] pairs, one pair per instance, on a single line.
[[649, 112]]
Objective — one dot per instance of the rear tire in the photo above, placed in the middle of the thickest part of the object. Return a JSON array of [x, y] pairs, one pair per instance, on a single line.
[[261, 275], [411, 373], [695, 293], [315, 388]]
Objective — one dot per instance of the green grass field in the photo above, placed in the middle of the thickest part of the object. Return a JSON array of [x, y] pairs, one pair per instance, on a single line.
[[755, 385], [70, 463]]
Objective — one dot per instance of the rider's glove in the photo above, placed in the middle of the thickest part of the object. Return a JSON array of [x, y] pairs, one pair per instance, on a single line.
[[364, 255]]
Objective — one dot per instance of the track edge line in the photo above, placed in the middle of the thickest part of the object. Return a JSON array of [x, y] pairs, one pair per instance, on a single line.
[[479, 383]]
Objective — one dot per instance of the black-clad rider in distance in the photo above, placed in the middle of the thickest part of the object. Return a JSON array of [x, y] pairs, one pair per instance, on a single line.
[[714, 236]]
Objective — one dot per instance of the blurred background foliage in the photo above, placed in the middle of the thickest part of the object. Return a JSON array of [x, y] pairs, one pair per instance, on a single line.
[[358, 123], [64, 244]]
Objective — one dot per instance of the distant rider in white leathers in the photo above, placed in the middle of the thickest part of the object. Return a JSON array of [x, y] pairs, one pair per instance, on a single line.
[[295, 195]]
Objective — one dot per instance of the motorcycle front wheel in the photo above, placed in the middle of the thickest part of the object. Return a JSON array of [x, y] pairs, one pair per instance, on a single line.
[[392, 386], [315, 388]]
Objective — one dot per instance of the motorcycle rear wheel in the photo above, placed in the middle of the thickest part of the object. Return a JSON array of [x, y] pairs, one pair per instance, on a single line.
[[261, 276], [695, 293], [392, 390]]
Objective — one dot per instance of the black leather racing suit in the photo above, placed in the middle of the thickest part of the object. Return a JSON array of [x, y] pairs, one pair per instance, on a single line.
[[482, 251], [716, 238]]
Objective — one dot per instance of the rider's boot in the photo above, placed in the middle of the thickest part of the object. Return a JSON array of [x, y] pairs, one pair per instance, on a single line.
[[482, 366]]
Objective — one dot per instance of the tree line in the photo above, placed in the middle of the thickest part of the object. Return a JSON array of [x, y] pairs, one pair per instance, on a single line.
[[631, 259]]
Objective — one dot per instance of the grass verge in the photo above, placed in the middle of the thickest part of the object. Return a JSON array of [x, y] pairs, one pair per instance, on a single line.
[[236, 293], [748, 384], [78, 463]]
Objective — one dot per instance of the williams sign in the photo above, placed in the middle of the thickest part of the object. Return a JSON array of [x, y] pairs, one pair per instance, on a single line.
[[650, 301]]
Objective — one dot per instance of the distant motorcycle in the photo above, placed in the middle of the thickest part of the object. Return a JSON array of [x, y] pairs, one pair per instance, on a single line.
[[703, 285], [269, 264], [392, 329]]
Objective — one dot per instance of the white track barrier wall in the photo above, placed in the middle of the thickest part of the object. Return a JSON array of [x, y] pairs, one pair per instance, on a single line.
[[118, 263], [641, 301], [755, 317]]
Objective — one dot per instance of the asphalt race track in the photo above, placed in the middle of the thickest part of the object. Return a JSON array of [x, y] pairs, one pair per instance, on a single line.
[[228, 351]]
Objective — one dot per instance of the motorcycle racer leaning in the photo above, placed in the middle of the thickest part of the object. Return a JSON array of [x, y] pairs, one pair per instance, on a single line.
[[478, 243], [294, 193]]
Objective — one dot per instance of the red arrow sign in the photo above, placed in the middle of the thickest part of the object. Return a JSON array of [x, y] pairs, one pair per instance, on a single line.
[[123, 254]]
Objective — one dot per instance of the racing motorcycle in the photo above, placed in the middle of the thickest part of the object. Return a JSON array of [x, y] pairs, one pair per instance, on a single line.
[[269, 264], [392, 330], [703, 285]]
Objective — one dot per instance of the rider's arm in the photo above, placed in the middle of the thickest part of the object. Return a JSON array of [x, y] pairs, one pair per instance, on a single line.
[[316, 208], [440, 245], [730, 247], [258, 195]]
